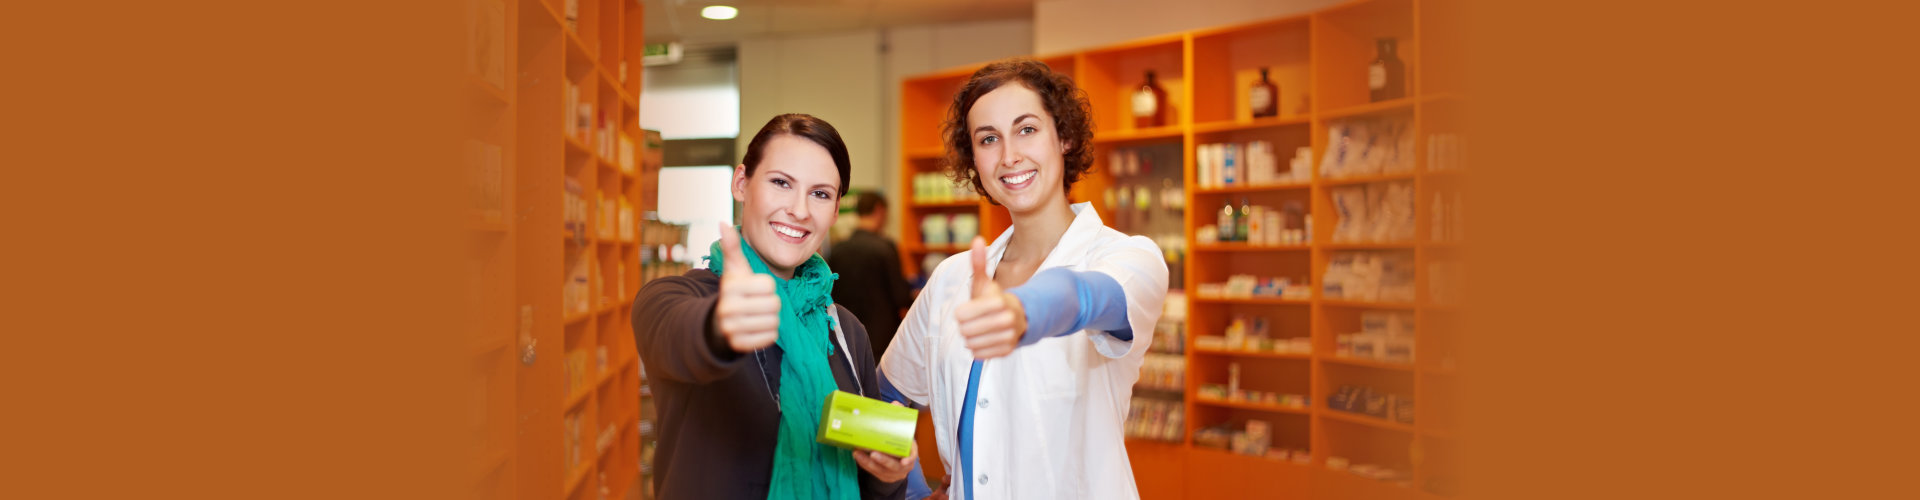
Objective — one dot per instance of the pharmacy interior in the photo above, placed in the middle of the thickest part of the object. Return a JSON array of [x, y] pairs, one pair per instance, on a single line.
[[1303, 175]]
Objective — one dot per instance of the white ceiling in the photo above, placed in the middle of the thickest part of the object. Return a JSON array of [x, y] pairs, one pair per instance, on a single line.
[[680, 21]]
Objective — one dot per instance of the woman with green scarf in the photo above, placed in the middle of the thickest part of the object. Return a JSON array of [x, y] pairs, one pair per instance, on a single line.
[[741, 356]]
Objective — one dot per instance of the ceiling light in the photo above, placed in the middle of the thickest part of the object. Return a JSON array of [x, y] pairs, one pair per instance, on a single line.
[[720, 12]]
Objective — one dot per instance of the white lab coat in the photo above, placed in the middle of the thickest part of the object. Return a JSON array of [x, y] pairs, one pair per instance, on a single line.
[[1049, 417]]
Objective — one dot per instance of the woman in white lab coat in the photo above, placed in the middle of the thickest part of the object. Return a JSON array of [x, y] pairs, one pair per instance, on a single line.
[[1026, 350]]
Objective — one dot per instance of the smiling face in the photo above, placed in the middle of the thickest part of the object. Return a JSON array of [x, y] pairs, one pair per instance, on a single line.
[[789, 202], [1016, 150]]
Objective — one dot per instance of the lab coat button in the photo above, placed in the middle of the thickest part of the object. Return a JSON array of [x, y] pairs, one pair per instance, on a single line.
[[983, 403], [983, 479]]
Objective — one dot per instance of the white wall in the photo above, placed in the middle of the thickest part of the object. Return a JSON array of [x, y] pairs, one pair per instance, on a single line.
[[1071, 25], [834, 76], [691, 100]]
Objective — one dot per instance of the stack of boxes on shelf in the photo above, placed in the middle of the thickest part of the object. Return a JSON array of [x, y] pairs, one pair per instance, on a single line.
[[1369, 277], [1156, 412], [1383, 336], [936, 187], [1251, 163], [1247, 286], [1369, 147], [1380, 212], [1253, 336]]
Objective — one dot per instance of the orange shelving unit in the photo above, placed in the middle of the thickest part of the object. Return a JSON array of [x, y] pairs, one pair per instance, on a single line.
[[1319, 61], [553, 272]]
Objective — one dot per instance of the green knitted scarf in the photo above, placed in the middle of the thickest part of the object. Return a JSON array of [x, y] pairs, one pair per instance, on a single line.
[[803, 468]]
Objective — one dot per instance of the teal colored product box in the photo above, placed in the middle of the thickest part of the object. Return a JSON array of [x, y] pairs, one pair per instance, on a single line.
[[855, 422]]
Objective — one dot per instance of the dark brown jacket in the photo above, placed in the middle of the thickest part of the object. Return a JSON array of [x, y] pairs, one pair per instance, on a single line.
[[717, 417]]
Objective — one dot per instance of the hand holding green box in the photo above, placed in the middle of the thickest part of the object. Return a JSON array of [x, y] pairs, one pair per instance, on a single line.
[[855, 422]]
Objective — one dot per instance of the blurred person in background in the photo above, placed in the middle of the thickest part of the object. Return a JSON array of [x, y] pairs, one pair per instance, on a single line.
[[871, 282]]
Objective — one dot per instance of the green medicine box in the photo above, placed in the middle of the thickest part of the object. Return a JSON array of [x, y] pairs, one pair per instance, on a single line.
[[855, 422]]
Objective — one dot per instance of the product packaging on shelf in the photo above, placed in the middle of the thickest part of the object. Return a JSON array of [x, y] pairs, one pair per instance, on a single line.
[[1374, 213], [1368, 146], [1156, 419], [1366, 401], [1369, 277]]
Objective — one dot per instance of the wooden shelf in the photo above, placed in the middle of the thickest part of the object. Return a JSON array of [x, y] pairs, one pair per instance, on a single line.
[[483, 347], [1257, 300], [578, 397], [1154, 134], [1253, 124], [546, 56], [577, 148], [574, 478], [1366, 304], [1258, 188], [1446, 434], [1297, 410], [1370, 363], [1243, 247], [570, 319], [1404, 104], [491, 462], [938, 248], [1253, 354], [486, 93], [1362, 419], [947, 204], [1404, 245], [1366, 179], [932, 153]]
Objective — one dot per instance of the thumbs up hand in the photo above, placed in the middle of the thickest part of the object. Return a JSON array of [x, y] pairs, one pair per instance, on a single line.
[[748, 313], [992, 320]]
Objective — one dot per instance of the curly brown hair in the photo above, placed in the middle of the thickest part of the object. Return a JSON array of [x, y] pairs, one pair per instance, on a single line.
[[1072, 118]]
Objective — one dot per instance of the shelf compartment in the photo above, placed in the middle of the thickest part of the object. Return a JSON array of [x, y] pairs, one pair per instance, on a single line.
[[1253, 354], [1366, 304], [1137, 136], [1243, 247], [1227, 62], [1253, 301], [1302, 410], [1370, 363], [947, 204], [1110, 75], [1367, 179], [1261, 188], [1404, 245], [927, 153], [1252, 124], [1401, 105]]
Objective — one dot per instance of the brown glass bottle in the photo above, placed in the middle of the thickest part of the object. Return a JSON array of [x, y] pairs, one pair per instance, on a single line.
[[1387, 76], [1149, 104], [1264, 97]]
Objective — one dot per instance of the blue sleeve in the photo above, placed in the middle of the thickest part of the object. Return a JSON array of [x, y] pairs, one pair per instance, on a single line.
[[891, 394], [917, 485], [1061, 301]]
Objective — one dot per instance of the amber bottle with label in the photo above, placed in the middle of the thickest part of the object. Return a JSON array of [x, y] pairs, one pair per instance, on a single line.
[[1149, 104], [1387, 76], [1264, 97]]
